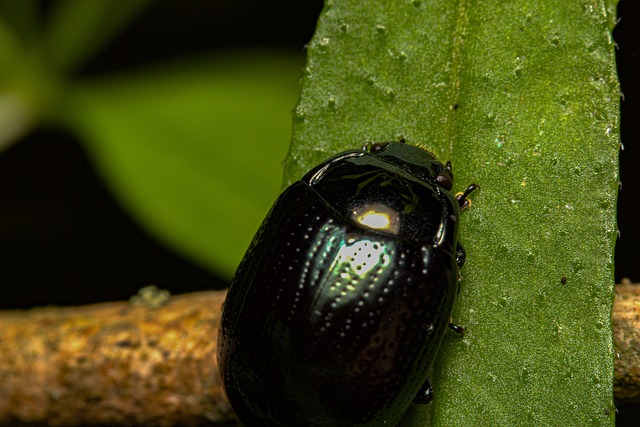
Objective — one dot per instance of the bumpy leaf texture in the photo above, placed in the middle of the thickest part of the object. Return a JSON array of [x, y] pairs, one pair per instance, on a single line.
[[523, 97]]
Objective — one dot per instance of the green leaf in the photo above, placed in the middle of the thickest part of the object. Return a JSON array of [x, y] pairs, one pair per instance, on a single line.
[[193, 150], [523, 97]]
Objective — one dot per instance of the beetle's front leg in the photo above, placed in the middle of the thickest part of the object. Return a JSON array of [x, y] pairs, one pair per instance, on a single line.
[[462, 199], [457, 329]]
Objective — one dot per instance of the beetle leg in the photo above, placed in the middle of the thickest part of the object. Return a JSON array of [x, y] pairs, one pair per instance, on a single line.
[[461, 255], [462, 197], [425, 394], [457, 329]]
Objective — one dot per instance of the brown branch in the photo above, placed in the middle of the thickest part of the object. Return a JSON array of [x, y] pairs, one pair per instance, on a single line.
[[153, 362], [626, 334], [113, 364]]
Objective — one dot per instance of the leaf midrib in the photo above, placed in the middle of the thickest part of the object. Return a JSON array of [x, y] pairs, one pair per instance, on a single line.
[[456, 69]]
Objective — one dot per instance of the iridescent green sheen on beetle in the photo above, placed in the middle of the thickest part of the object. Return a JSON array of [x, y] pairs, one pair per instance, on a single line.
[[338, 308]]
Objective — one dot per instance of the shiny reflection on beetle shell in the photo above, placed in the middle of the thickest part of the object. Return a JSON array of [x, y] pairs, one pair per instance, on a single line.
[[377, 217]]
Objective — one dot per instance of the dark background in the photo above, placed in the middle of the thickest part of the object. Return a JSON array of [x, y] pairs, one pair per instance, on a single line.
[[63, 238]]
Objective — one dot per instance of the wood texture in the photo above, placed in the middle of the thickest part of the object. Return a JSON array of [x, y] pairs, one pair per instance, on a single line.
[[113, 364], [626, 329]]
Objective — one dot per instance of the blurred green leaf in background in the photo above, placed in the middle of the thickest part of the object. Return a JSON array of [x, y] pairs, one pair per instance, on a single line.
[[195, 150], [192, 148]]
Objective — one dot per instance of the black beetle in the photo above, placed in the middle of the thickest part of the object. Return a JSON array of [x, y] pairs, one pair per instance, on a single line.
[[337, 310]]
